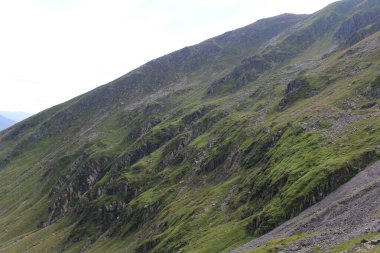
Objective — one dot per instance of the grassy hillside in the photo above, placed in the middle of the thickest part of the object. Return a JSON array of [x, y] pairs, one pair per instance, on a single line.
[[203, 149]]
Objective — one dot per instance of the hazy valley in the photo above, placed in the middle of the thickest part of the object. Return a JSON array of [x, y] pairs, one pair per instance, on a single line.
[[262, 139]]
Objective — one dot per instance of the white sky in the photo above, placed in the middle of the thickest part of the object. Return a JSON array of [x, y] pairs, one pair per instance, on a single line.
[[54, 50]]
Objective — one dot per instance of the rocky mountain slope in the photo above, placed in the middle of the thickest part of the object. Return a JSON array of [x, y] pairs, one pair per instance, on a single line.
[[206, 148], [350, 212]]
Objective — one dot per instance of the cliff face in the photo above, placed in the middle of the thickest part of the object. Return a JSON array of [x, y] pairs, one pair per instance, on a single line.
[[202, 149]]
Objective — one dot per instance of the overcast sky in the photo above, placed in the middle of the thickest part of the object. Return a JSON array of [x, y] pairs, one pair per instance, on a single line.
[[54, 50]]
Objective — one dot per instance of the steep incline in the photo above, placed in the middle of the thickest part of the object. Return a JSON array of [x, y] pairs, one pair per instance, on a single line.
[[349, 212], [202, 149]]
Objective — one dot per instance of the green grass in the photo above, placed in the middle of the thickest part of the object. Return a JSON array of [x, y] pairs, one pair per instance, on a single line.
[[196, 174], [351, 243], [276, 245]]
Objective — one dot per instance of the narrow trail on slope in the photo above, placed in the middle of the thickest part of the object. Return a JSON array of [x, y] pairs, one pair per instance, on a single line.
[[350, 211]]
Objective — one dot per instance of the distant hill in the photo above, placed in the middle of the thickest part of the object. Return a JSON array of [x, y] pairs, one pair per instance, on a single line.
[[5, 122], [16, 116], [211, 146]]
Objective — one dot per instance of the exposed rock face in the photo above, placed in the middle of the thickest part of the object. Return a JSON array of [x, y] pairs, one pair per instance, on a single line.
[[252, 67], [373, 90], [347, 213], [358, 27], [249, 71], [296, 89], [73, 188], [295, 85]]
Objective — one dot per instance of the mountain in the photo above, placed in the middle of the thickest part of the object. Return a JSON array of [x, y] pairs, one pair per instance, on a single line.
[[339, 216], [5, 122], [210, 147], [16, 116], [8, 119]]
